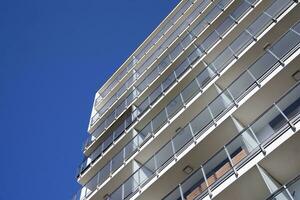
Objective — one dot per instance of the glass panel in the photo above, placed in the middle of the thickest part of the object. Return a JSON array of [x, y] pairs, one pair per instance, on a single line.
[[168, 81], [262, 65], [277, 6], [175, 52], [130, 186], [187, 40], [210, 41], [220, 104], [119, 131], [194, 185], [117, 194], [223, 59], [267, 125], [201, 121], [241, 43], [205, 76], [194, 56], [241, 146], [282, 195], [243, 7], [146, 132], [164, 64], [199, 28], [155, 94], [294, 190], [107, 142], [182, 138], [258, 26], [91, 186], [243, 83], [213, 14], [190, 91], [182, 67], [104, 174], [117, 161], [216, 167], [131, 147], [159, 120], [285, 44], [224, 27], [174, 106], [164, 154], [144, 105], [144, 174], [290, 104], [174, 195]]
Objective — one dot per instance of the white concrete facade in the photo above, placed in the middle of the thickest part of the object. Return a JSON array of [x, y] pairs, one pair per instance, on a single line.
[[208, 107]]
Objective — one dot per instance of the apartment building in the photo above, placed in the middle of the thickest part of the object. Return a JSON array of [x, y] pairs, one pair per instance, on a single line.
[[207, 107]]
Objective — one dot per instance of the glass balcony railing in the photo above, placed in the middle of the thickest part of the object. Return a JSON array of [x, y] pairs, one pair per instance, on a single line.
[[207, 75], [246, 82], [103, 147], [124, 105], [207, 118], [138, 56], [135, 75], [276, 120], [290, 191]]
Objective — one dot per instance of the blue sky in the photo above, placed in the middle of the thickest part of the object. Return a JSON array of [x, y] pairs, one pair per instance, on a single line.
[[54, 55]]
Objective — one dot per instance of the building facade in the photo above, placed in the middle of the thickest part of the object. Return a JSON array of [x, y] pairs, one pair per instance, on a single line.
[[207, 107]]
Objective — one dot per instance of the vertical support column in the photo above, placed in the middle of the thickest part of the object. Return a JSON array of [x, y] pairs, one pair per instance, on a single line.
[[206, 182], [231, 163], [181, 192]]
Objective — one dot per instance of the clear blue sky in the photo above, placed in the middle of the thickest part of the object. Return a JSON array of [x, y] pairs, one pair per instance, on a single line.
[[54, 55]]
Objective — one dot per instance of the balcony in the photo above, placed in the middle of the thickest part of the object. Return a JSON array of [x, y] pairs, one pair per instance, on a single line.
[[145, 66], [275, 121], [167, 24], [207, 118], [219, 105], [290, 191], [188, 61]]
